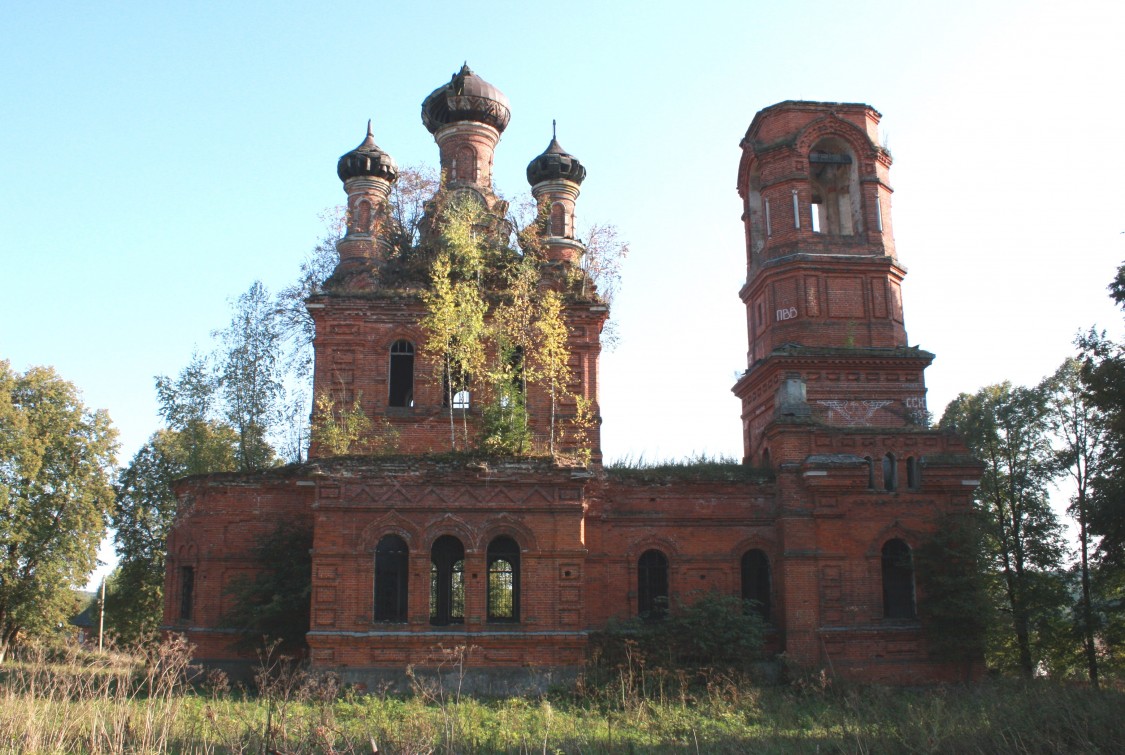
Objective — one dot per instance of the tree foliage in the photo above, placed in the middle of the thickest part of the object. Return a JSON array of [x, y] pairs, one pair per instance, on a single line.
[[144, 513], [957, 610], [274, 603], [56, 466], [250, 376], [1081, 433], [1103, 375], [1007, 428]]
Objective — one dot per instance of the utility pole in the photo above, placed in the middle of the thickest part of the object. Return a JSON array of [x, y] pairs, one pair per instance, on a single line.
[[101, 616]]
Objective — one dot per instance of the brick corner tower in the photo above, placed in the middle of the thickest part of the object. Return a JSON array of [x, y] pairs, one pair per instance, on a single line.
[[833, 397], [824, 314]]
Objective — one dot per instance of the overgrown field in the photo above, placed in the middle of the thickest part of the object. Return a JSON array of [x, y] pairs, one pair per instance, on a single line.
[[52, 703]]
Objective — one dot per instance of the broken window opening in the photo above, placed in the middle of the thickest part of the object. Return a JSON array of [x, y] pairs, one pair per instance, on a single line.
[[898, 580], [756, 585], [391, 579], [447, 581], [834, 179], [890, 472], [503, 580], [458, 393], [401, 391], [187, 591], [652, 585]]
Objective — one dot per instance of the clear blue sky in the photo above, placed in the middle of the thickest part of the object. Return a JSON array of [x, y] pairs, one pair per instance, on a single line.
[[156, 158]]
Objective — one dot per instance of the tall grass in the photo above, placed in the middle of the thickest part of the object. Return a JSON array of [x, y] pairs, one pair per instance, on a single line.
[[112, 703]]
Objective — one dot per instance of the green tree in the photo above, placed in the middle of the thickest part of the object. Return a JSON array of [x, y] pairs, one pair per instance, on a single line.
[[274, 603], [456, 305], [1103, 374], [1007, 428], [1081, 431], [250, 376], [145, 511], [56, 467], [956, 609]]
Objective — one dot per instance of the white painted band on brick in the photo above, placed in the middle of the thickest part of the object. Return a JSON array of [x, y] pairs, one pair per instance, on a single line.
[[816, 473], [972, 483], [305, 482]]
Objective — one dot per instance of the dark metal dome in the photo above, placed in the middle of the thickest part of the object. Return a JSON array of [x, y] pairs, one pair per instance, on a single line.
[[467, 97], [367, 160], [555, 163]]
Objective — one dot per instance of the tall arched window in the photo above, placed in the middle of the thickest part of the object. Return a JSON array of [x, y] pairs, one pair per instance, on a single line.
[[503, 580], [834, 179], [890, 472], [652, 584], [898, 580], [402, 374], [756, 581], [447, 581], [913, 473], [390, 579]]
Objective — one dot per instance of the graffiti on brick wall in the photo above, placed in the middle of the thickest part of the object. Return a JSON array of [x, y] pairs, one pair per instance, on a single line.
[[786, 314], [853, 412]]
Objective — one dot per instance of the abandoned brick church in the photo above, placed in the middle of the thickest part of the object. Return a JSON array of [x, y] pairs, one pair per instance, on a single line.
[[522, 558]]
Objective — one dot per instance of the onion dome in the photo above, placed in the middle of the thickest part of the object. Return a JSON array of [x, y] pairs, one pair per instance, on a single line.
[[467, 97], [554, 164], [367, 160]]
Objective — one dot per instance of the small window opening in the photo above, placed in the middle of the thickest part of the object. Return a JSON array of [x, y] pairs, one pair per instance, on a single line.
[[913, 474], [390, 579], [766, 459], [503, 580], [652, 585], [870, 472], [402, 374], [890, 472], [756, 581], [817, 214], [898, 580], [455, 392], [447, 581], [187, 591]]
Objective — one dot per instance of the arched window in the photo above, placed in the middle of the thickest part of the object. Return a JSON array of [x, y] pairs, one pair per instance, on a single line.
[[834, 179], [390, 579], [402, 374], [756, 581], [447, 581], [913, 474], [652, 585], [898, 580], [890, 472], [503, 580], [766, 459]]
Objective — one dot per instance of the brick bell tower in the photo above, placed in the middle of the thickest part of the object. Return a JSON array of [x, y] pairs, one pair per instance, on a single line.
[[823, 296]]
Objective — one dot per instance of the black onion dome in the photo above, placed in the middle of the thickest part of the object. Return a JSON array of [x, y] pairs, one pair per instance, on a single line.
[[467, 97], [555, 163], [367, 160]]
